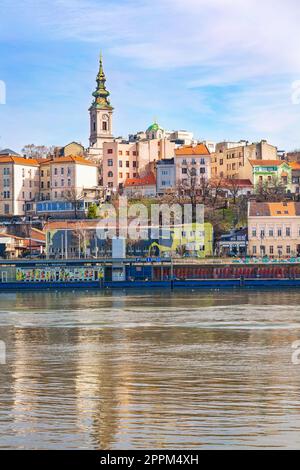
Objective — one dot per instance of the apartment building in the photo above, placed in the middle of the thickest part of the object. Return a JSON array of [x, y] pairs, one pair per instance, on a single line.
[[165, 175], [270, 172], [193, 163], [274, 229], [123, 160], [66, 177], [19, 184], [295, 186], [233, 161]]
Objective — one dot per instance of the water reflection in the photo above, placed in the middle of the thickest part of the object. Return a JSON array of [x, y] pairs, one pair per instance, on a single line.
[[152, 370]]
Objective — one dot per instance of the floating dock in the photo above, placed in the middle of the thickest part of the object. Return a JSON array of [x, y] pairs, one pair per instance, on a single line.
[[145, 273]]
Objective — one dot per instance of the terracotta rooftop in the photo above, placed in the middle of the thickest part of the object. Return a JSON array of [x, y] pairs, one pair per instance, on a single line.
[[145, 181], [199, 149], [274, 209], [267, 162], [227, 182], [68, 159], [19, 160], [295, 165]]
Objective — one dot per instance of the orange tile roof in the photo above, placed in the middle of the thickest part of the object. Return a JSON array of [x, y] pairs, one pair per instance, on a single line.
[[199, 149], [227, 182], [68, 159], [266, 162], [71, 225], [295, 165], [19, 160], [145, 181], [274, 209]]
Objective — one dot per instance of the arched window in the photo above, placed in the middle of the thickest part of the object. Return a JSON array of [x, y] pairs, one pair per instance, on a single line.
[[110, 174], [105, 120]]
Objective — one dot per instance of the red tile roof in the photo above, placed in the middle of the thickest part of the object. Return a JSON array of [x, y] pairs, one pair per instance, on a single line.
[[267, 162], [199, 149], [147, 180], [242, 183]]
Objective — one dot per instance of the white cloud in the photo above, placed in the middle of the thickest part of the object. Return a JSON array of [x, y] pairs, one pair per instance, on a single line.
[[251, 44]]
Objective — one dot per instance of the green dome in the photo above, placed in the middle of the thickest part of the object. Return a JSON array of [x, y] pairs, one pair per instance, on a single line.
[[154, 127]]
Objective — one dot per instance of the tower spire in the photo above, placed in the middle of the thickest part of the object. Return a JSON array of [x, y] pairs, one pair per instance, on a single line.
[[101, 94]]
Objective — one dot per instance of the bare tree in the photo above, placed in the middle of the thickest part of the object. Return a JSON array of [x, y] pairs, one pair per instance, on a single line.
[[37, 151], [74, 196], [273, 190], [233, 187]]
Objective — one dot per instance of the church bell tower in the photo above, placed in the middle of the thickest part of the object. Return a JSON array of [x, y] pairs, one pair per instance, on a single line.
[[101, 113]]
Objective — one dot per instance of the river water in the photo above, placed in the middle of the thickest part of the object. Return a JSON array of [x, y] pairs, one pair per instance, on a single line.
[[149, 369]]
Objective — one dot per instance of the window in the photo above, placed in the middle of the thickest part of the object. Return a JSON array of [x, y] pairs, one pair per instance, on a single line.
[[127, 164], [69, 182], [279, 232], [110, 174], [6, 208], [69, 171], [55, 171], [120, 152], [110, 162], [262, 233], [104, 126], [62, 182], [288, 231], [288, 250], [127, 152], [271, 232], [202, 171], [120, 164], [253, 232], [42, 172], [6, 171], [134, 164], [42, 184], [202, 161], [120, 175], [62, 170], [254, 250], [110, 184], [6, 194], [109, 150], [184, 171], [271, 250], [134, 153]]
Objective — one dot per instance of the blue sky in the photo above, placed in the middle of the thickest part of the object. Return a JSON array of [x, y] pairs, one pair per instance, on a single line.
[[223, 69]]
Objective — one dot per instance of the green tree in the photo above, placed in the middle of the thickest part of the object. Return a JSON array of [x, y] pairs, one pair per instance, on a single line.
[[92, 211]]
